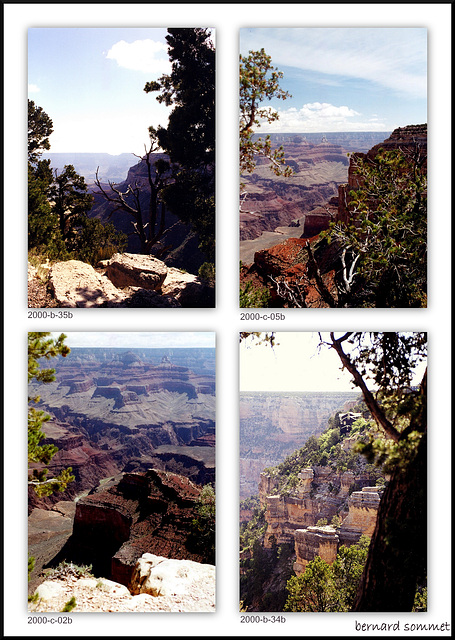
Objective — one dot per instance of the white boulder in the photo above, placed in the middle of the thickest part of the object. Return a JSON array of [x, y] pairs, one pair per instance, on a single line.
[[136, 270], [160, 576], [49, 589]]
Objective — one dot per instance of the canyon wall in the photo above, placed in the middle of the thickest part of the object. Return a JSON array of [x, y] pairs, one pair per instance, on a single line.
[[319, 495], [274, 424]]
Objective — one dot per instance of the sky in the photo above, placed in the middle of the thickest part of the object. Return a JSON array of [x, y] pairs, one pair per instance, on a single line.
[[296, 363], [141, 340], [345, 79], [293, 364], [90, 83]]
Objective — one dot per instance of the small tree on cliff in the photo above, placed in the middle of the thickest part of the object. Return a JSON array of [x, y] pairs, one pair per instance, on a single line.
[[259, 81], [41, 346]]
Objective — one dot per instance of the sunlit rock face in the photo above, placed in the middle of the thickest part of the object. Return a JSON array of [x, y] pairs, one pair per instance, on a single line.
[[312, 542]]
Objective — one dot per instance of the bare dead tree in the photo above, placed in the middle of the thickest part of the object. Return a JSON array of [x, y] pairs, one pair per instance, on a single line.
[[149, 222]]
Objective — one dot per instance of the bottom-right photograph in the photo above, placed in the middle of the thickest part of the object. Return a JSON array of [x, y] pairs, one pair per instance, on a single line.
[[333, 471]]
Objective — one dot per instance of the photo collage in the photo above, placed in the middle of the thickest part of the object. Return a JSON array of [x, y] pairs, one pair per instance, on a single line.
[[232, 300]]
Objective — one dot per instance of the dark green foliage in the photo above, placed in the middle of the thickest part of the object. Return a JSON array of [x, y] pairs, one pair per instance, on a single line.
[[69, 200], [70, 605], [40, 345], [31, 565], [93, 242], [254, 297], [58, 204], [325, 587], [385, 240], [263, 571], [207, 272], [396, 563], [189, 138], [40, 127], [203, 525]]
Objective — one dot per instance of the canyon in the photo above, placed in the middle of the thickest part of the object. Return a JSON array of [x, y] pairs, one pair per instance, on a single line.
[[178, 248], [137, 427], [274, 208], [322, 496], [277, 261], [273, 424]]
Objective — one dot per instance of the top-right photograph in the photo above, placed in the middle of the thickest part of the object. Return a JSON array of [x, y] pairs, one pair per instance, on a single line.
[[333, 167]]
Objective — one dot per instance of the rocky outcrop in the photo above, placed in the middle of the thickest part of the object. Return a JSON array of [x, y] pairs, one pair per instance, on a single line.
[[188, 290], [320, 494], [126, 280], [361, 519], [148, 512], [312, 542], [48, 531], [77, 284], [134, 270], [410, 139], [190, 587], [160, 576], [325, 541]]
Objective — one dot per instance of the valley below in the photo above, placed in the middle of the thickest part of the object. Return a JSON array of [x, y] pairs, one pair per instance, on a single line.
[[274, 208]]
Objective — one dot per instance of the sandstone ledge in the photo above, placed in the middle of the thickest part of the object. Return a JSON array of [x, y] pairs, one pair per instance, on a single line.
[[194, 593]]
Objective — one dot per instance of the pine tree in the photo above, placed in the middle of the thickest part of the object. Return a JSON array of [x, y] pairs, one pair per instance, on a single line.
[[189, 138], [40, 345]]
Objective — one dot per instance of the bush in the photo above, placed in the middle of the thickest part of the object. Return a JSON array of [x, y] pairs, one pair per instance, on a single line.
[[254, 297]]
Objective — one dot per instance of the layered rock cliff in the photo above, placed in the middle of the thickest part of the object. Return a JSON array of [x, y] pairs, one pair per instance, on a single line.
[[117, 410], [149, 512], [272, 425]]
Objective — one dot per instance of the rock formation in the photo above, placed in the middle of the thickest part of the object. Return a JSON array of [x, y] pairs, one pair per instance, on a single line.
[[312, 542], [160, 576], [272, 425], [148, 512], [126, 280], [319, 495], [133, 270], [159, 584]]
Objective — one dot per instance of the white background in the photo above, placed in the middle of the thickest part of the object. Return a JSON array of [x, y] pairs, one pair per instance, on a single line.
[[225, 319]]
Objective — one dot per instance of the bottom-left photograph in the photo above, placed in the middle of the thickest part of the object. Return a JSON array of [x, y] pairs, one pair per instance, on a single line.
[[121, 472]]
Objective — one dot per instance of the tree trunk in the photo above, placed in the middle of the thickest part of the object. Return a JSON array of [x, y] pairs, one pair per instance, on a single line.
[[397, 557]]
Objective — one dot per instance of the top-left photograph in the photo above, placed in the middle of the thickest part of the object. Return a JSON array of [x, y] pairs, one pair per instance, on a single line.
[[121, 167]]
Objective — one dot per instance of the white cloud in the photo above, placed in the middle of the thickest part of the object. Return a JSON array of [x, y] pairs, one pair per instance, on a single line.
[[33, 88], [141, 55], [323, 116]]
